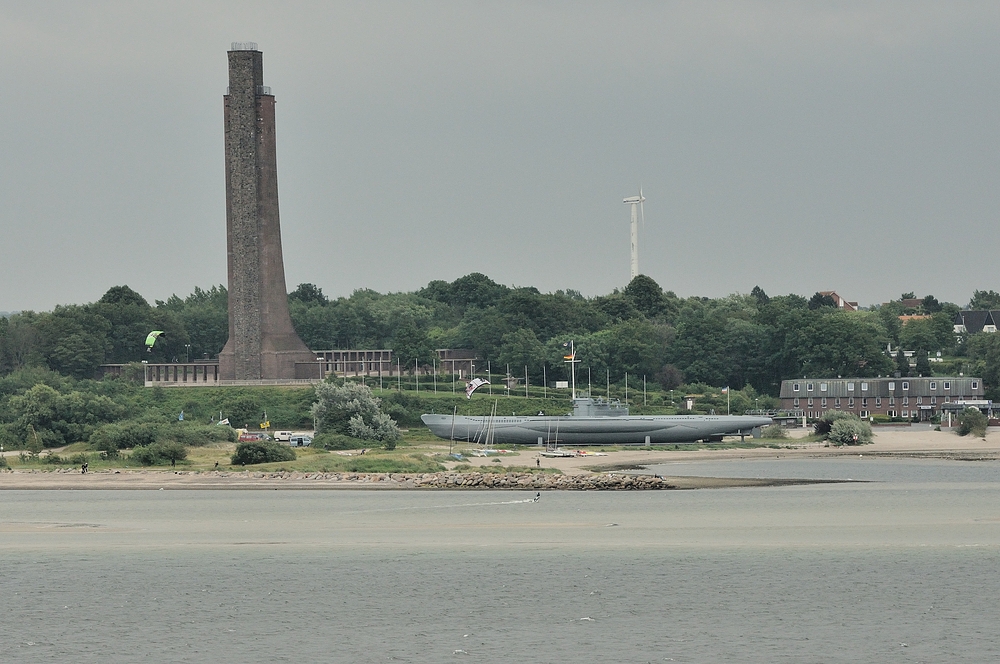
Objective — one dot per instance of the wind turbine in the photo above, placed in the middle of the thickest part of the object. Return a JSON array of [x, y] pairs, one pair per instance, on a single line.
[[635, 202]]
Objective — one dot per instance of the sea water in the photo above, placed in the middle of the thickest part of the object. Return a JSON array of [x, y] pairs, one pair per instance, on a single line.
[[900, 568]]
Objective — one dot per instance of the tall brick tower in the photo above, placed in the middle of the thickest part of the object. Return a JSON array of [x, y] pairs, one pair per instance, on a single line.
[[262, 342]]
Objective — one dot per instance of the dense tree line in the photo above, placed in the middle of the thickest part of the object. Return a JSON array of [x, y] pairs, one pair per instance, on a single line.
[[738, 340]]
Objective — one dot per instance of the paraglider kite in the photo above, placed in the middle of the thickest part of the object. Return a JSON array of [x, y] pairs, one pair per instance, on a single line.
[[151, 339], [474, 384]]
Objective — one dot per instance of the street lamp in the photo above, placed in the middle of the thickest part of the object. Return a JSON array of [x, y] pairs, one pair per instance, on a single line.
[[187, 348]]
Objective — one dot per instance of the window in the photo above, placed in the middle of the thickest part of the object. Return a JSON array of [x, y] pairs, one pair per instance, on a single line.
[[796, 403], [933, 401], [975, 384], [850, 387], [809, 387], [795, 387], [892, 401], [906, 402], [823, 402], [933, 385], [864, 387], [920, 400], [878, 402], [810, 402], [892, 386], [891, 413], [864, 413], [906, 385], [906, 413], [822, 387], [850, 402], [947, 385], [864, 402]]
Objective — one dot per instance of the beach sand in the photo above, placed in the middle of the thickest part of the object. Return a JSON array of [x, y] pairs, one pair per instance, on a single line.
[[892, 442]]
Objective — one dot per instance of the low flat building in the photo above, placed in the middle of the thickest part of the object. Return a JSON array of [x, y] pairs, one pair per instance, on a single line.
[[920, 398]]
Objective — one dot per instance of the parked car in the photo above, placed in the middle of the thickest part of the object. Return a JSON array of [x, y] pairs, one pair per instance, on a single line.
[[248, 437], [300, 441], [283, 436]]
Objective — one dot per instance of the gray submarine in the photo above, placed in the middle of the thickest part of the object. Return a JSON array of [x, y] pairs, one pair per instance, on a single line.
[[592, 422]]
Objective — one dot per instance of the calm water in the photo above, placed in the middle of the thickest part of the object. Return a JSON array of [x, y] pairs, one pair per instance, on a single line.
[[824, 573]]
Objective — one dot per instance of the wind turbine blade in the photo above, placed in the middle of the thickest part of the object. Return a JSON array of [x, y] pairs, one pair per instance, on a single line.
[[641, 214]]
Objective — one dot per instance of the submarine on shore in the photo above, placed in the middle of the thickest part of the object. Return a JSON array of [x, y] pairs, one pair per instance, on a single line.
[[593, 422]]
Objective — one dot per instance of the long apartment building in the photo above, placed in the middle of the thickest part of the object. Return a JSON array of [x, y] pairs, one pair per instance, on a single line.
[[893, 397]]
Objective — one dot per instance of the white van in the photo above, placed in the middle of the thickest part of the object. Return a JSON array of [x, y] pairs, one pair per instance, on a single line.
[[300, 441], [283, 436]]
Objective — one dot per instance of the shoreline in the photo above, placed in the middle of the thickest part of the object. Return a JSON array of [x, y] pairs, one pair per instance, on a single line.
[[615, 472], [153, 480]]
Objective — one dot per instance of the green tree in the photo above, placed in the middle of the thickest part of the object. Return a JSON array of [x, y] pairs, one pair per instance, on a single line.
[[309, 294], [923, 364], [984, 299], [19, 342], [646, 295], [521, 348], [818, 300], [410, 344], [931, 305], [73, 340], [902, 364], [352, 410], [850, 431], [972, 420], [984, 351]]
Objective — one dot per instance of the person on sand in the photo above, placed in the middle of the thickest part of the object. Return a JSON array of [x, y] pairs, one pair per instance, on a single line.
[[216, 465], [538, 463]]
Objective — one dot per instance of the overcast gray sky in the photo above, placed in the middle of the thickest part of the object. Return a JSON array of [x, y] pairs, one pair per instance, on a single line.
[[798, 146]]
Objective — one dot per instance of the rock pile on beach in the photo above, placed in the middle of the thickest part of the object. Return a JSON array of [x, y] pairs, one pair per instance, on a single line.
[[250, 479], [453, 480]]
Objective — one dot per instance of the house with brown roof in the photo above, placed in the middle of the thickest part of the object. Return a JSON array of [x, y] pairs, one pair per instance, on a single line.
[[839, 301]]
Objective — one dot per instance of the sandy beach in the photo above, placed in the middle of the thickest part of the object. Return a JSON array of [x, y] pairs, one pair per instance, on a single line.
[[896, 442]]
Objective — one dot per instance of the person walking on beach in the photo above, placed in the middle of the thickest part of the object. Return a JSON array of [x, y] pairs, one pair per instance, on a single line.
[[538, 463]]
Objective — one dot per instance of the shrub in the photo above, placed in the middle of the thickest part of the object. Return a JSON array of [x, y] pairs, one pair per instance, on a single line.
[[824, 424], [972, 420], [145, 455], [53, 459], [773, 432], [260, 451], [337, 441], [113, 437], [197, 435], [850, 431], [3, 462], [150, 455]]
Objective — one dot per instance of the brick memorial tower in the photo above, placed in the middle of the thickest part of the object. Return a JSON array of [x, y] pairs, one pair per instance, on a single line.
[[262, 342]]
